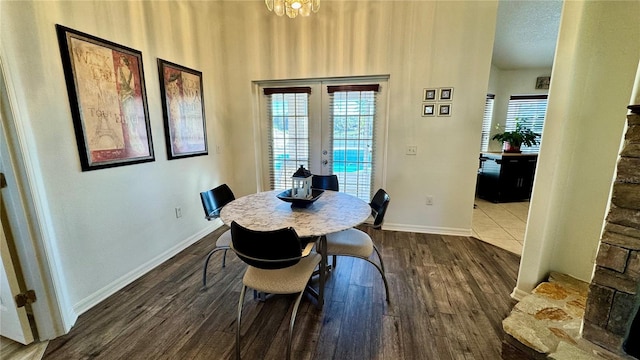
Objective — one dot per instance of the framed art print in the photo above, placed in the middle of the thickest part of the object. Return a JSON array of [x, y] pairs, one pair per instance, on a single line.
[[543, 82], [428, 109], [183, 109], [444, 110], [446, 94], [429, 95], [108, 100]]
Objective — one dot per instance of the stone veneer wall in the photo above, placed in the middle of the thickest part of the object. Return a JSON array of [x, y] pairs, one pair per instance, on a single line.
[[613, 297]]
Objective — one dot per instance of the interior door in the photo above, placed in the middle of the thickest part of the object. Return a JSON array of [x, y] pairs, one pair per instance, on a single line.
[[14, 323], [330, 126]]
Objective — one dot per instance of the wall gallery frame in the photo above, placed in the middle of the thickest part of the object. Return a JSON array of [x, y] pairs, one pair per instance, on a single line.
[[108, 100], [444, 110], [429, 95], [542, 82], [446, 94], [183, 110], [428, 109]]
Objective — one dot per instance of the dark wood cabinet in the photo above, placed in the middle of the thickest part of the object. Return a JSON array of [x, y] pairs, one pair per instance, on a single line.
[[504, 177]]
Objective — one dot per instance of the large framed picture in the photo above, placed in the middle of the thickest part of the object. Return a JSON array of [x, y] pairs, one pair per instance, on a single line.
[[183, 109], [108, 100]]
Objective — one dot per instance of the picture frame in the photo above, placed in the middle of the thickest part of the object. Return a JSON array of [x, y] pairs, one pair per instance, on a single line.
[[429, 95], [428, 109], [446, 94], [444, 110], [542, 82], [108, 100], [185, 129]]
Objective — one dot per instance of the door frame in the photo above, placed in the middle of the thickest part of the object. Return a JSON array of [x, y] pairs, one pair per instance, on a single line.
[[27, 212], [261, 129]]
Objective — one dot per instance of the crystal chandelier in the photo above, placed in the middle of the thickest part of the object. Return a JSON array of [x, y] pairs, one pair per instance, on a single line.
[[293, 8]]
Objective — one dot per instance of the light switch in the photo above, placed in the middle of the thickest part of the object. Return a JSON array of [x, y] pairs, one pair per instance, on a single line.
[[412, 150]]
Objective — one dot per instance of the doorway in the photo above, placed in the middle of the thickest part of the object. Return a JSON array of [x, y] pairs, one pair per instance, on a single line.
[[329, 126]]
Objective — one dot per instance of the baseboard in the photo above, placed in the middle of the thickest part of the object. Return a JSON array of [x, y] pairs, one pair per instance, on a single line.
[[427, 229], [95, 298], [518, 294]]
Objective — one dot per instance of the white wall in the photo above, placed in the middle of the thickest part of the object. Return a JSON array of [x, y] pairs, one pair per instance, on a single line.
[[104, 228], [420, 45], [593, 74]]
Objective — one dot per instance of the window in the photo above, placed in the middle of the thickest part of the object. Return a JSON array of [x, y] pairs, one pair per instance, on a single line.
[[288, 111], [486, 121], [528, 110], [352, 118]]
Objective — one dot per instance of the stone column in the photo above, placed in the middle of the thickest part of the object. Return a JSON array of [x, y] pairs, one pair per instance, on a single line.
[[613, 294]]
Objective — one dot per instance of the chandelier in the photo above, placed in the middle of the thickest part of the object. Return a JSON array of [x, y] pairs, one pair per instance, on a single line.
[[293, 8]]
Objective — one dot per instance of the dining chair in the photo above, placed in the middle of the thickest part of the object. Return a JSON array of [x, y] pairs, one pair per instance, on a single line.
[[212, 202], [325, 182], [278, 264], [357, 243]]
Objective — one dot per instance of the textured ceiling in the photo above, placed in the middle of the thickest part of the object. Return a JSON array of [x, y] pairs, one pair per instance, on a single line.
[[526, 33]]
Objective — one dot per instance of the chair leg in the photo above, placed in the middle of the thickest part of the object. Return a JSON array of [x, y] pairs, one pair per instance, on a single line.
[[384, 278], [292, 322], [379, 258], [206, 264], [224, 258], [333, 262], [240, 302]]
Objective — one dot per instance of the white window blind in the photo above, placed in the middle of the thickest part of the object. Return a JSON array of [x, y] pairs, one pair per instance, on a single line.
[[288, 111], [353, 115], [486, 121], [529, 111]]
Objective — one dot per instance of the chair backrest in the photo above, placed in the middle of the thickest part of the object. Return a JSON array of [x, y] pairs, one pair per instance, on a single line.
[[275, 249], [213, 200], [379, 205], [325, 182]]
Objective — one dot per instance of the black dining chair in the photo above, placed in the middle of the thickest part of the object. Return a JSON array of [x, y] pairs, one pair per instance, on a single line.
[[278, 264], [325, 182], [212, 202], [356, 243]]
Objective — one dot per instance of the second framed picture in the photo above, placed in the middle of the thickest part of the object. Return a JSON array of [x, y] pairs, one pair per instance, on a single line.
[[446, 94], [183, 109]]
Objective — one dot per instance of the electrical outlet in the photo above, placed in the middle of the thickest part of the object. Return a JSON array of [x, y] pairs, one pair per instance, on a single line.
[[429, 200], [412, 150], [178, 212]]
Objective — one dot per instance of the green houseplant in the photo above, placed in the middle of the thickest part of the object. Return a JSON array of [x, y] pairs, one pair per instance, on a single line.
[[512, 140]]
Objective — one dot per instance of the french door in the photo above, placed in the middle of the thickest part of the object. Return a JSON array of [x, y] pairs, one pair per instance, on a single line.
[[329, 127]]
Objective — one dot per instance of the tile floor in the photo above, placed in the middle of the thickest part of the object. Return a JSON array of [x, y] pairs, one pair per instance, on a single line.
[[500, 224]]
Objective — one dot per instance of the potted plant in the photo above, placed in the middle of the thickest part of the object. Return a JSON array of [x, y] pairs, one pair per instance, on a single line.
[[512, 140]]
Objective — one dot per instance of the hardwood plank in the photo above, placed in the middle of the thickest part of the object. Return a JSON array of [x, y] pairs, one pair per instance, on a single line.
[[448, 294]]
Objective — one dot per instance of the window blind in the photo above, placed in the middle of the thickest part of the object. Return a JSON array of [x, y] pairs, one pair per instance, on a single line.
[[352, 117], [529, 111], [288, 111], [486, 121]]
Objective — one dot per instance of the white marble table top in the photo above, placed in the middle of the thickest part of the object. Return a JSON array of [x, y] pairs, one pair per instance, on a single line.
[[332, 212]]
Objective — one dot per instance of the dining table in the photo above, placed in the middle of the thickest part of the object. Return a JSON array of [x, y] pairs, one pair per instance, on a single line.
[[332, 212]]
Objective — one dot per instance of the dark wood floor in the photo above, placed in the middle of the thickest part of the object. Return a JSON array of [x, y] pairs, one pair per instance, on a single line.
[[449, 295]]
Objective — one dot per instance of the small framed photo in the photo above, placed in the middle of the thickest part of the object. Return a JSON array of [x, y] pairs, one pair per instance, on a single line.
[[428, 109], [429, 95], [444, 110], [446, 93], [542, 82]]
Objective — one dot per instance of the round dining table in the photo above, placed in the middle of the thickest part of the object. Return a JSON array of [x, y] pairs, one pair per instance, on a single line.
[[332, 212]]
